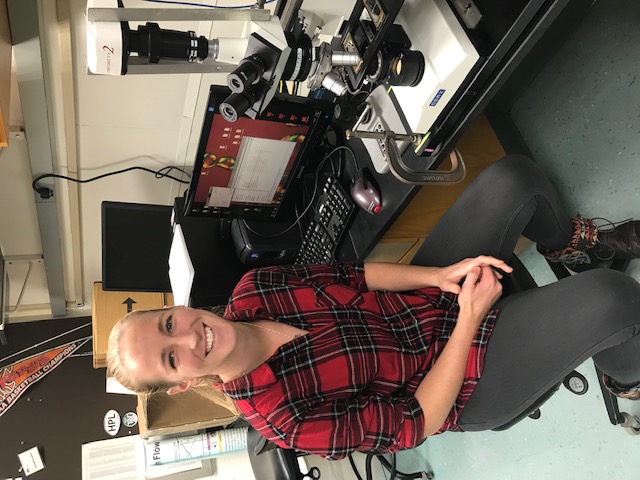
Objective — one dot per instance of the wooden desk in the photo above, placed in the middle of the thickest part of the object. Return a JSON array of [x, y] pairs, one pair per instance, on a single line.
[[480, 148], [5, 74], [409, 212]]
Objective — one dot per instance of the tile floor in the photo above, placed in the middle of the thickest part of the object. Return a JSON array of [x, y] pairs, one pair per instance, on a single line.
[[580, 118]]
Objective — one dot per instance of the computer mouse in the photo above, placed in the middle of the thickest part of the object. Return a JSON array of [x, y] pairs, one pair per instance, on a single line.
[[364, 193]]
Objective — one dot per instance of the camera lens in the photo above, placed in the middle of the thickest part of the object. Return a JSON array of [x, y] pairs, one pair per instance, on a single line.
[[406, 68], [248, 72], [235, 105], [154, 43]]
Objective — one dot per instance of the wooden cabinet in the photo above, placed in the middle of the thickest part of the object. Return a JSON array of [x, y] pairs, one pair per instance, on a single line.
[[479, 148]]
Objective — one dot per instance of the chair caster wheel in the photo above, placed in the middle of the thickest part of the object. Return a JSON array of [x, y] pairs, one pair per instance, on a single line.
[[312, 474], [535, 415], [576, 383], [631, 423]]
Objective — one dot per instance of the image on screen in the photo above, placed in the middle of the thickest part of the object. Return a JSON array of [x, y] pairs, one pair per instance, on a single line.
[[244, 168]]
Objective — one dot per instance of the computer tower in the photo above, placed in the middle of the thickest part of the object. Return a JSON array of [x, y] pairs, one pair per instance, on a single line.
[[258, 243]]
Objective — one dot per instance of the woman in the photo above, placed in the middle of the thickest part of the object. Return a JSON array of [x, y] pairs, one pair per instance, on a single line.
[[332, 359]]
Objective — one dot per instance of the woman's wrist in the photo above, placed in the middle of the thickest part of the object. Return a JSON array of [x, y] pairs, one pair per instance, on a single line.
[[432, 276], [470, 317]]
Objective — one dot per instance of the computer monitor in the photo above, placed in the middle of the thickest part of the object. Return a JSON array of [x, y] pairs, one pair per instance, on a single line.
[[136, 240], [246, 168]]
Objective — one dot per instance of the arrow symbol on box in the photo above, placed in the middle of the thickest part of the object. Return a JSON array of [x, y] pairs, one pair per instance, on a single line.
[[129, 303]]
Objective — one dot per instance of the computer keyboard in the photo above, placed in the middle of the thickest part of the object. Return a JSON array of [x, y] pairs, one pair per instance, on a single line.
[[333, 210]]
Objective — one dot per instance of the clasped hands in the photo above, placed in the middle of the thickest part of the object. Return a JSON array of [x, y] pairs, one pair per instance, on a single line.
[[481, 287]]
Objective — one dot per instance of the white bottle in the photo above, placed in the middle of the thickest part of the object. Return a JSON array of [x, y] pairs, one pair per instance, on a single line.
[[195, 447]]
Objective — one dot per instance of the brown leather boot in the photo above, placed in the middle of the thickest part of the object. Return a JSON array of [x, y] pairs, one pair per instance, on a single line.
[[620, 241], [584, 238], [630, 393]]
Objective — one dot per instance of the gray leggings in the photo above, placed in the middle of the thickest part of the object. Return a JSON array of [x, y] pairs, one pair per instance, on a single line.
[[542, 334]]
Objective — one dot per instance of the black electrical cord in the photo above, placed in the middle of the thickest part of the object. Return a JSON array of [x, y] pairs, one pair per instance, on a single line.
[[367, 465], [389, 467], [340, 141], [47, 193], [355, 469], [395, 474]]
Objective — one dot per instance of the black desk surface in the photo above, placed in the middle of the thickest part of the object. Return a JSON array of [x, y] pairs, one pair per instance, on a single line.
[[217, 268], [518, 35], [514, 28], [366, 230]]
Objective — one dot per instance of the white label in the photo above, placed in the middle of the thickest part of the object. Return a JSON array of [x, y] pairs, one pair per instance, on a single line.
[[112, 423], [31, 461]]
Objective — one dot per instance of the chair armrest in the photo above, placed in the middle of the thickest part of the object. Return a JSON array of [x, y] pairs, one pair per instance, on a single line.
[[270, 462]]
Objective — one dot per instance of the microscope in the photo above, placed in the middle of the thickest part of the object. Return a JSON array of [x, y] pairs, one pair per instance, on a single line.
[[267, 53], [369, 50]]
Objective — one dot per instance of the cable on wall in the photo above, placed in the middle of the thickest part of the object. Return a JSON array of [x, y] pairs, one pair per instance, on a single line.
[[46, 192]]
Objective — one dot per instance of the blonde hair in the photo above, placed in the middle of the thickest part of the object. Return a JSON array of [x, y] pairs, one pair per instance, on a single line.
[[115, 368]]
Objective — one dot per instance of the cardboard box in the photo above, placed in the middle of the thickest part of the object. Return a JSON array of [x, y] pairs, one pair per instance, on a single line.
[[107, 307], [162, 414]]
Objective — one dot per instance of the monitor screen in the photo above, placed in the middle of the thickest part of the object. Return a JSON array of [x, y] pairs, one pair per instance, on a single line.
[[245, 168], [136, 240]]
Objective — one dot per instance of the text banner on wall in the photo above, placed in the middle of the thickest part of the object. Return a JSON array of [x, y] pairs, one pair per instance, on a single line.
[[17, 377]]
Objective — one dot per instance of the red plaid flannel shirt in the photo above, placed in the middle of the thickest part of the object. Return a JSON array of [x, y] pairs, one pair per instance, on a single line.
[[349, 384]]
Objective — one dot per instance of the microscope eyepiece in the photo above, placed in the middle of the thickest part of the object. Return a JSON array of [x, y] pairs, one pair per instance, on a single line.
[[237, 104], [248, 72]]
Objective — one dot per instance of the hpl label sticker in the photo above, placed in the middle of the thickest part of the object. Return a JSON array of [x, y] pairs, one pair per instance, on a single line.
[[437, 98]]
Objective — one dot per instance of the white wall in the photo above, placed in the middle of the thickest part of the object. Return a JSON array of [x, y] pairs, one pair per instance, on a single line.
[[111, 123], [145, 120]]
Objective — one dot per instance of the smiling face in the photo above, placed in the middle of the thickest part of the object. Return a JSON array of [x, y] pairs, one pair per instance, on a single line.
[[176, 345]]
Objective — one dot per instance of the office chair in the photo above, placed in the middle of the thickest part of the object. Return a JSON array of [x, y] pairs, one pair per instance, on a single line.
[[270, 462], [521, 280]]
